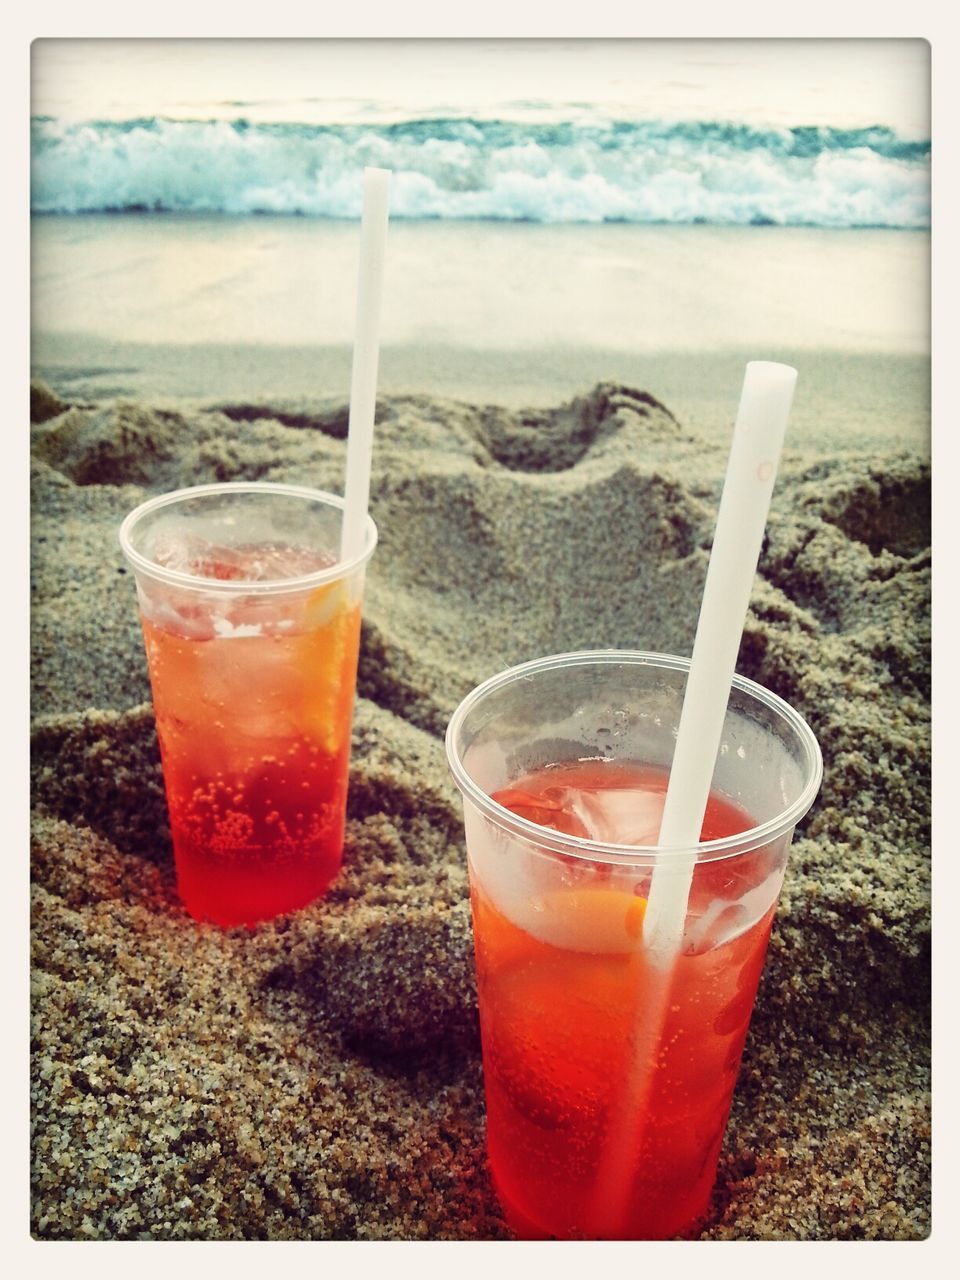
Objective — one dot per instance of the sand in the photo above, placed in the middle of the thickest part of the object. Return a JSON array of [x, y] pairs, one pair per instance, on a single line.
[[319, 1077], [155, 308]]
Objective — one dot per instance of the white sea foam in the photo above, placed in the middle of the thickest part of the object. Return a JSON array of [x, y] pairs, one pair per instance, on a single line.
[[587, 172]]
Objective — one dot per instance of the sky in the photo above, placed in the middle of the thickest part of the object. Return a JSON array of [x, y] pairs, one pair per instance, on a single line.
[[843, 83]]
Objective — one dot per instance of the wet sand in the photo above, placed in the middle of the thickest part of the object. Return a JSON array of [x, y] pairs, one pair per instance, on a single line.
[[319, 1077]]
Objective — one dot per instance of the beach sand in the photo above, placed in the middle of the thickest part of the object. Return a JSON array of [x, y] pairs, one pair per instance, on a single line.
[[159, 308], [319, 1077]]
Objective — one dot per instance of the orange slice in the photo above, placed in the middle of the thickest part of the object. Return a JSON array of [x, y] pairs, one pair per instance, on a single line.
[[328, 651]]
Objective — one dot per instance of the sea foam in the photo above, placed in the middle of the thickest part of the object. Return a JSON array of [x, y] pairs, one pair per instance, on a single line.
[[599, 171]]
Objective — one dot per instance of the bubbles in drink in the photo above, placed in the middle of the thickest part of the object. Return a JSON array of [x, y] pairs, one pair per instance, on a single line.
[[253, 694]]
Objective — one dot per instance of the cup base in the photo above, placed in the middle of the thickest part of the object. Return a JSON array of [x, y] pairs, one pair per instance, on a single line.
[[527, 1228], [247, 900]]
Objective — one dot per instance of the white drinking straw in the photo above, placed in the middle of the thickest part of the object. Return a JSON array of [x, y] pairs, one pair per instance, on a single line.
[[744, 504], [366, 355]]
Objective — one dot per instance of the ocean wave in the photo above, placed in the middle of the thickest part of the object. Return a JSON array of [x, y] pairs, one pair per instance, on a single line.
[[601, 171]]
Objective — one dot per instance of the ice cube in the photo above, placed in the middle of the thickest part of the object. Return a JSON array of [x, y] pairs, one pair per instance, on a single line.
[[270, 561], [723, 920], [187, 552], [176, 550], [227, 630], [617, 815], [552, 808]]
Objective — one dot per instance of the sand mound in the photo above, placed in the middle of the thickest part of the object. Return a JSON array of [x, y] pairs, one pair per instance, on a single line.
[[320, 1077]]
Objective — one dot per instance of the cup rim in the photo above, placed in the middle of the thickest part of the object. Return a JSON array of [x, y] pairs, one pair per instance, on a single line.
[[629, 854], [143, 565]]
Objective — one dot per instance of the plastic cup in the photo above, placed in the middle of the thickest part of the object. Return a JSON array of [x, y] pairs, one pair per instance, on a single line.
[[252, 632], [564, 983]]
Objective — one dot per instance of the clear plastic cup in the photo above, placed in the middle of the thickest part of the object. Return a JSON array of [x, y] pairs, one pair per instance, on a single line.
[[562, 764], [252, 631]]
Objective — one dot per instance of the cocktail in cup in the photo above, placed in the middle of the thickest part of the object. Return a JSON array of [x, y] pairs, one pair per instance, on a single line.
[[252, 630], [595, 1129]]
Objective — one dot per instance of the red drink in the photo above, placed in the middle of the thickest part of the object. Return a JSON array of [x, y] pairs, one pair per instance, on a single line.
[[561, 997], [611, 1040], [252, 628], [254, 734]]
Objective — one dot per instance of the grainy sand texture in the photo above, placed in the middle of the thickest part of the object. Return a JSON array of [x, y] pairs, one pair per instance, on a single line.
[[319, 1077]]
